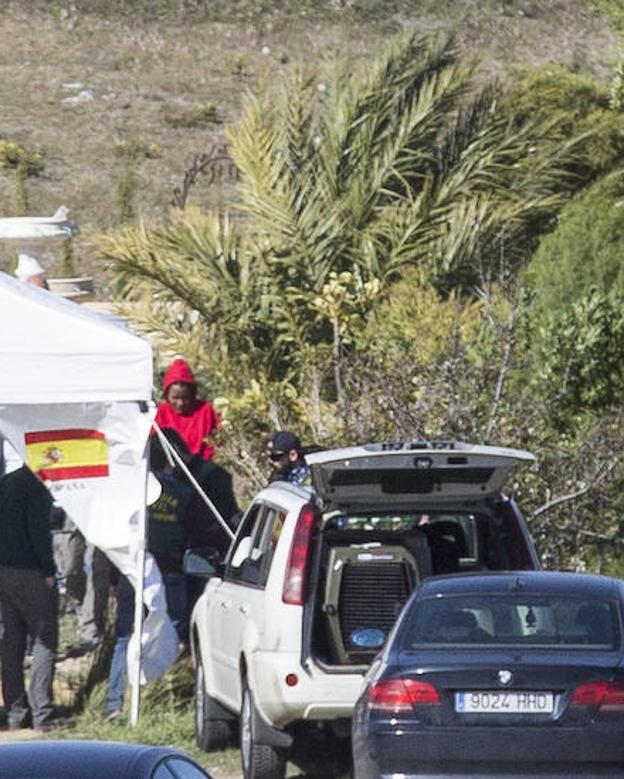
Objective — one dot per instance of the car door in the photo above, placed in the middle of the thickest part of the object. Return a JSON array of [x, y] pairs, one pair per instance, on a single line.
[[220, 598], [242, 594]]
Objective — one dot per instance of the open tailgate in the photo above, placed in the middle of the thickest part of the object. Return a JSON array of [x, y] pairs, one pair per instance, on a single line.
[[377, 475]]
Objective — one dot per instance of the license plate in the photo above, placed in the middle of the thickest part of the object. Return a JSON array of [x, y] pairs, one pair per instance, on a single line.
[[500, 702]]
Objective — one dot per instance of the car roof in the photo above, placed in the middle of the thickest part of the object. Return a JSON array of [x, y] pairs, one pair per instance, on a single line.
[[582, 584], [73, 759], [277, 489]]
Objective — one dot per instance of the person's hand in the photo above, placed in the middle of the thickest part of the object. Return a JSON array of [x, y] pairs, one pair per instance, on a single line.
[[51, 582]]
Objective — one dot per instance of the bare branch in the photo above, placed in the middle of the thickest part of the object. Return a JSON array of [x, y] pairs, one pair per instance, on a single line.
[[599, 538], [612, 539], [246, 463], [503, 371], [215, 165], [600, 475]]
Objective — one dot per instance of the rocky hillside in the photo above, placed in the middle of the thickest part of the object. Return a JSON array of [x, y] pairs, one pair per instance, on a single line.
[[100, 87]]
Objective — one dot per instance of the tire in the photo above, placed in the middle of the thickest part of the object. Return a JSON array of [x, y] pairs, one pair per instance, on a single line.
[[210, 733], [259, 761]]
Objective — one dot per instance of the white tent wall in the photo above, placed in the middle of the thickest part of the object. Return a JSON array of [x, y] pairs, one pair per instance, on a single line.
[[54, 351], [68, 375], [111, 521]]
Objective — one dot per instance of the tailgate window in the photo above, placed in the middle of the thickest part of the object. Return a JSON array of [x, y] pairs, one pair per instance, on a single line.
[[457, 541]]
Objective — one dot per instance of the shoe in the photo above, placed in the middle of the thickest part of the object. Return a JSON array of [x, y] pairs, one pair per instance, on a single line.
[[83, 647], [19, 724], [54, 724], [89, 644], [114, 716]]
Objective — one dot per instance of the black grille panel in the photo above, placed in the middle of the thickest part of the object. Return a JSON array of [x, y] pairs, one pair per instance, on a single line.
[[371, 596]]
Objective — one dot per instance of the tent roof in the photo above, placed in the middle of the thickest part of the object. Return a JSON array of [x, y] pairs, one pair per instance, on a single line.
[[54, 351]]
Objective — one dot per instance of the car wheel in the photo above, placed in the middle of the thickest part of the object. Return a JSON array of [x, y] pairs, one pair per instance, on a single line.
[[210, 733], [260, 761]]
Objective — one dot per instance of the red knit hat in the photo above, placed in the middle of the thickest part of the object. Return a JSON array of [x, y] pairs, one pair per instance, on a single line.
[[178, 371]]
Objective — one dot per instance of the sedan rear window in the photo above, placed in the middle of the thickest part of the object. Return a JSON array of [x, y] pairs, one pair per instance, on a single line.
[[498, 620]]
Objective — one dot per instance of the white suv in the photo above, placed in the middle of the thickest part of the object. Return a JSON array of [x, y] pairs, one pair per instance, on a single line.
[[315, 579]]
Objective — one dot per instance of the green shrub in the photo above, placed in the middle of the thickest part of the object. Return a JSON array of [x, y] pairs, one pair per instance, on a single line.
[[613, 9], [578, 355], [576, 322], [616, 101], [571, 106], [240, 65], [135, 149], [586, 248], [19, 164], [67, 266], [126, 189], [197, 115], [13, 157]]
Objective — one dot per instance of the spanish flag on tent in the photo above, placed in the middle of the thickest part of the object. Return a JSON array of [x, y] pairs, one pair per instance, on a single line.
[[55, 455]]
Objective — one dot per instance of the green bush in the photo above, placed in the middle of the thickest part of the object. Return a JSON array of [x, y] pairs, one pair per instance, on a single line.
[[586, 248], [578, 356], [135, 149], [197, 115], [67, 266], [616, 101], [126, 190], [19, 164], [614, 9], [572, 106]]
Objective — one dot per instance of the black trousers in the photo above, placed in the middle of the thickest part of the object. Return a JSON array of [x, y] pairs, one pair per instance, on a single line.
[[29, 607]]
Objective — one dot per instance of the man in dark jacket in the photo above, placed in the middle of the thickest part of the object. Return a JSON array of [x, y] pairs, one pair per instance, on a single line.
[[28, 598], [200, 528], [166, 534], [203, 528]]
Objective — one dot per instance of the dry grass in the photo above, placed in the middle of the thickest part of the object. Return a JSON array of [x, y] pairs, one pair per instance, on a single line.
[[142, 62]]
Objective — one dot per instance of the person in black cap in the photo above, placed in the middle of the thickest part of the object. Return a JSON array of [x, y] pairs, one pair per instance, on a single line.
[[283, 449]]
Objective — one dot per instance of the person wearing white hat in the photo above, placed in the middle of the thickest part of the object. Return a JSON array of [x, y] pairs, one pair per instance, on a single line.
[[30, 271]]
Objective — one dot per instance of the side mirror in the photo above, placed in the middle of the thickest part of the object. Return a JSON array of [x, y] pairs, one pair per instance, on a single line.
[[243, 550], [197, 564]]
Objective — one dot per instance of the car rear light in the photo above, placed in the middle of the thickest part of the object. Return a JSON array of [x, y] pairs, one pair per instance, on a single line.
[[607, 696], [294, 588], [401, 695]]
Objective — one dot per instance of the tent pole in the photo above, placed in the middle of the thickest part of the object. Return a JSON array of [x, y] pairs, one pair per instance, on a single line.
[[138, 594], [174, 458]]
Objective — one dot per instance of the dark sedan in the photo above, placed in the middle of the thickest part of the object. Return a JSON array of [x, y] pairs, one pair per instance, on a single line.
[[94, 760], [498, 675]]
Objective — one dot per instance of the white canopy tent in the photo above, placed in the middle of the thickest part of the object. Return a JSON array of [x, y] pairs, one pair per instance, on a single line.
[[75, 402], [54, 351]]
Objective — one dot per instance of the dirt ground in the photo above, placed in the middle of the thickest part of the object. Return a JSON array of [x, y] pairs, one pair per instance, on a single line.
[[78, 83], [25, 734]]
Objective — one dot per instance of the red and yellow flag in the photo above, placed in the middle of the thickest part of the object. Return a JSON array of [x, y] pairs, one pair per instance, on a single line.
[[55, 455]]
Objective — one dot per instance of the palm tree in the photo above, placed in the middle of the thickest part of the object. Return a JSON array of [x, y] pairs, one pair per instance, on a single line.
[[347, 183]]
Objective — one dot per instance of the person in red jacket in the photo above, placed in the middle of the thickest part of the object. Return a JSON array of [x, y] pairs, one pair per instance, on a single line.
[[194, 419]]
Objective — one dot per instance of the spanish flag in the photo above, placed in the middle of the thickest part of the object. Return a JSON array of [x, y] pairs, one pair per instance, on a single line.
[[55, 455]]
